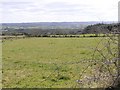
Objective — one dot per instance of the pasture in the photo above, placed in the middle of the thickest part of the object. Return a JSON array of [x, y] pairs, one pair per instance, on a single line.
[[46, 62]]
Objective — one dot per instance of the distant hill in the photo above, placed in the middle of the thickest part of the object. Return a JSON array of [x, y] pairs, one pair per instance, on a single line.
[[51, 25], [52, 28]]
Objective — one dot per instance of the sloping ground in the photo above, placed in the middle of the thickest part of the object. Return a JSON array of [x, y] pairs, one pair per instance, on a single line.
[[48, 62]]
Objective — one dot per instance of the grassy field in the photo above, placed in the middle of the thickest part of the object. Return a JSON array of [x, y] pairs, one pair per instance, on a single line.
[[45, 62]]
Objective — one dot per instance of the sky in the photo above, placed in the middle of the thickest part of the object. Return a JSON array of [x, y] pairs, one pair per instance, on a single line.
[[20, 11]]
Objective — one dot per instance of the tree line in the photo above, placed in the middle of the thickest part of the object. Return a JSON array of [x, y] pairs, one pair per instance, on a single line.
[[95, 29]]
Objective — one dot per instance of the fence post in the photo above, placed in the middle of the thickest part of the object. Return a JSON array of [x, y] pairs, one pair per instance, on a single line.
[[118, 80]]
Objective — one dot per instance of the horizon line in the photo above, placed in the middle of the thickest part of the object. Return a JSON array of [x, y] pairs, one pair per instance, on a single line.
[[57, 22]]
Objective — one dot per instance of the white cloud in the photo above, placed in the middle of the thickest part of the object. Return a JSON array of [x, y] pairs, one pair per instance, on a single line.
[[59, 10]]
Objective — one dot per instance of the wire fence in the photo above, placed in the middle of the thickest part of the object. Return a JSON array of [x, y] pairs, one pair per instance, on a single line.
[[104, 69], [99, 71]]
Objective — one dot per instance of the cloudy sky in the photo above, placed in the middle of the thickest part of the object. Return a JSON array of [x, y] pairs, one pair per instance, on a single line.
[[58, 10]]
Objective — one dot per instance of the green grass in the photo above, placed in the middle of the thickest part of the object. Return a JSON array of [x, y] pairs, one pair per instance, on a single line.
[[45, 62]]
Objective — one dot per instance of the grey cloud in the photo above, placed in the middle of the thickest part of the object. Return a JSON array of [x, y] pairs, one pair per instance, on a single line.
[[64, 5], [60, 5], [67, 8], [48, 7], [16, 5], [56, 8]]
